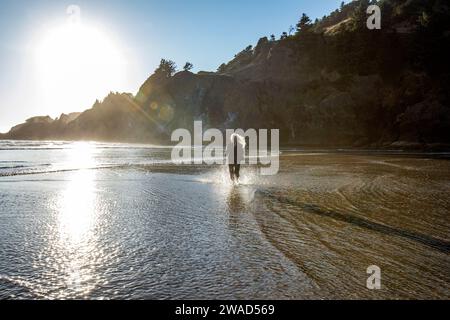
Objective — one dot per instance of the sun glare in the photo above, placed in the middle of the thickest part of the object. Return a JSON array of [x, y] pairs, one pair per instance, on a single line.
[[77, 64]]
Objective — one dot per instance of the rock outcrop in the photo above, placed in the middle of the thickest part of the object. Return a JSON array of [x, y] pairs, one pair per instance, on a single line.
[[337, 84]]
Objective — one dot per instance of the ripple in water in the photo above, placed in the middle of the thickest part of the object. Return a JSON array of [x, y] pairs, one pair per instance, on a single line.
[[138, 227]]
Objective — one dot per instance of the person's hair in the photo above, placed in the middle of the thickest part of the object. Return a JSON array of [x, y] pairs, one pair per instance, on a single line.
[[240, 139]]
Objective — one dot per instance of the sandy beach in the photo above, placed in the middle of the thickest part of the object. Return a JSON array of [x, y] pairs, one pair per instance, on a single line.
[[105, 221]]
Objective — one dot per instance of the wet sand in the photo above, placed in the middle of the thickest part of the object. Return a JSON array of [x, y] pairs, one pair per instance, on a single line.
[[138, 229]]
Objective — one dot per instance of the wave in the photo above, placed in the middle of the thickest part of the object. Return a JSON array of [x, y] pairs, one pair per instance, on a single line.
[[7, 145], [7, 169], [13, 167], [33, 170], [25, 173]]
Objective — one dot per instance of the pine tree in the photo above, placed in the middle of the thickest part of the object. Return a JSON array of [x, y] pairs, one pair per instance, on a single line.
[[304, 24]]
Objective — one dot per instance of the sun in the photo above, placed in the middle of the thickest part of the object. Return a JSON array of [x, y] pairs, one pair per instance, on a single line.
[[75, 65]]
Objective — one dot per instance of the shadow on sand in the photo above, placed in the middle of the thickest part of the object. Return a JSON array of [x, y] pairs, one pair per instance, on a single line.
[[438, 244]]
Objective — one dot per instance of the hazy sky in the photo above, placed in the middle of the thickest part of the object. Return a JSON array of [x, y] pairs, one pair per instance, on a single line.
[[34, 81]]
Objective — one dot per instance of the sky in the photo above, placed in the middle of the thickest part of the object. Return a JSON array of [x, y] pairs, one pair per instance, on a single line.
[[46, 68]]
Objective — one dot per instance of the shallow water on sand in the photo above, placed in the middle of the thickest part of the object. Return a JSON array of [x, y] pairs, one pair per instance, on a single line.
[[90, 220]]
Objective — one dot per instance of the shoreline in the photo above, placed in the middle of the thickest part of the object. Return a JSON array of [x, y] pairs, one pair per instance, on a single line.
[[398, 146]]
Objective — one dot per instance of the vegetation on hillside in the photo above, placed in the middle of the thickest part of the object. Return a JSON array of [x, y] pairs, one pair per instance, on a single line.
[[326, 82]]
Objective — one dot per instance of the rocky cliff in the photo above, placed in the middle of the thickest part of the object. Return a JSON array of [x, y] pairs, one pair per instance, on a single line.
[[333, 83]]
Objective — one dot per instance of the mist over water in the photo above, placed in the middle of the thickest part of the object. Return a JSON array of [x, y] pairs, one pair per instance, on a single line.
[[103, 221]]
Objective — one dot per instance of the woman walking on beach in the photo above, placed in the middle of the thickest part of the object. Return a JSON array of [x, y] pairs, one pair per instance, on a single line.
[[235, 154]]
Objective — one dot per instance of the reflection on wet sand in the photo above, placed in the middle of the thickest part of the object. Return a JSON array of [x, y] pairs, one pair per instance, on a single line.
[[77, 219], [235, 201], [76, 208], [73, 248], [145, 229]]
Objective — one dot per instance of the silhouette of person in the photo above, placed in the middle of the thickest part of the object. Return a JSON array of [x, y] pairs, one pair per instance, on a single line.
[[235, 154]]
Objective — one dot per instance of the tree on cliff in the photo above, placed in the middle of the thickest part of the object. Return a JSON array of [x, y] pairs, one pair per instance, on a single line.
[[359, 16], [304, 24], [188, 66], [166, 68], [291, 30]]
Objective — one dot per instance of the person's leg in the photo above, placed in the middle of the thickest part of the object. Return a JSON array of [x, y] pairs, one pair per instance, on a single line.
[[231, 169], [236, 170]]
